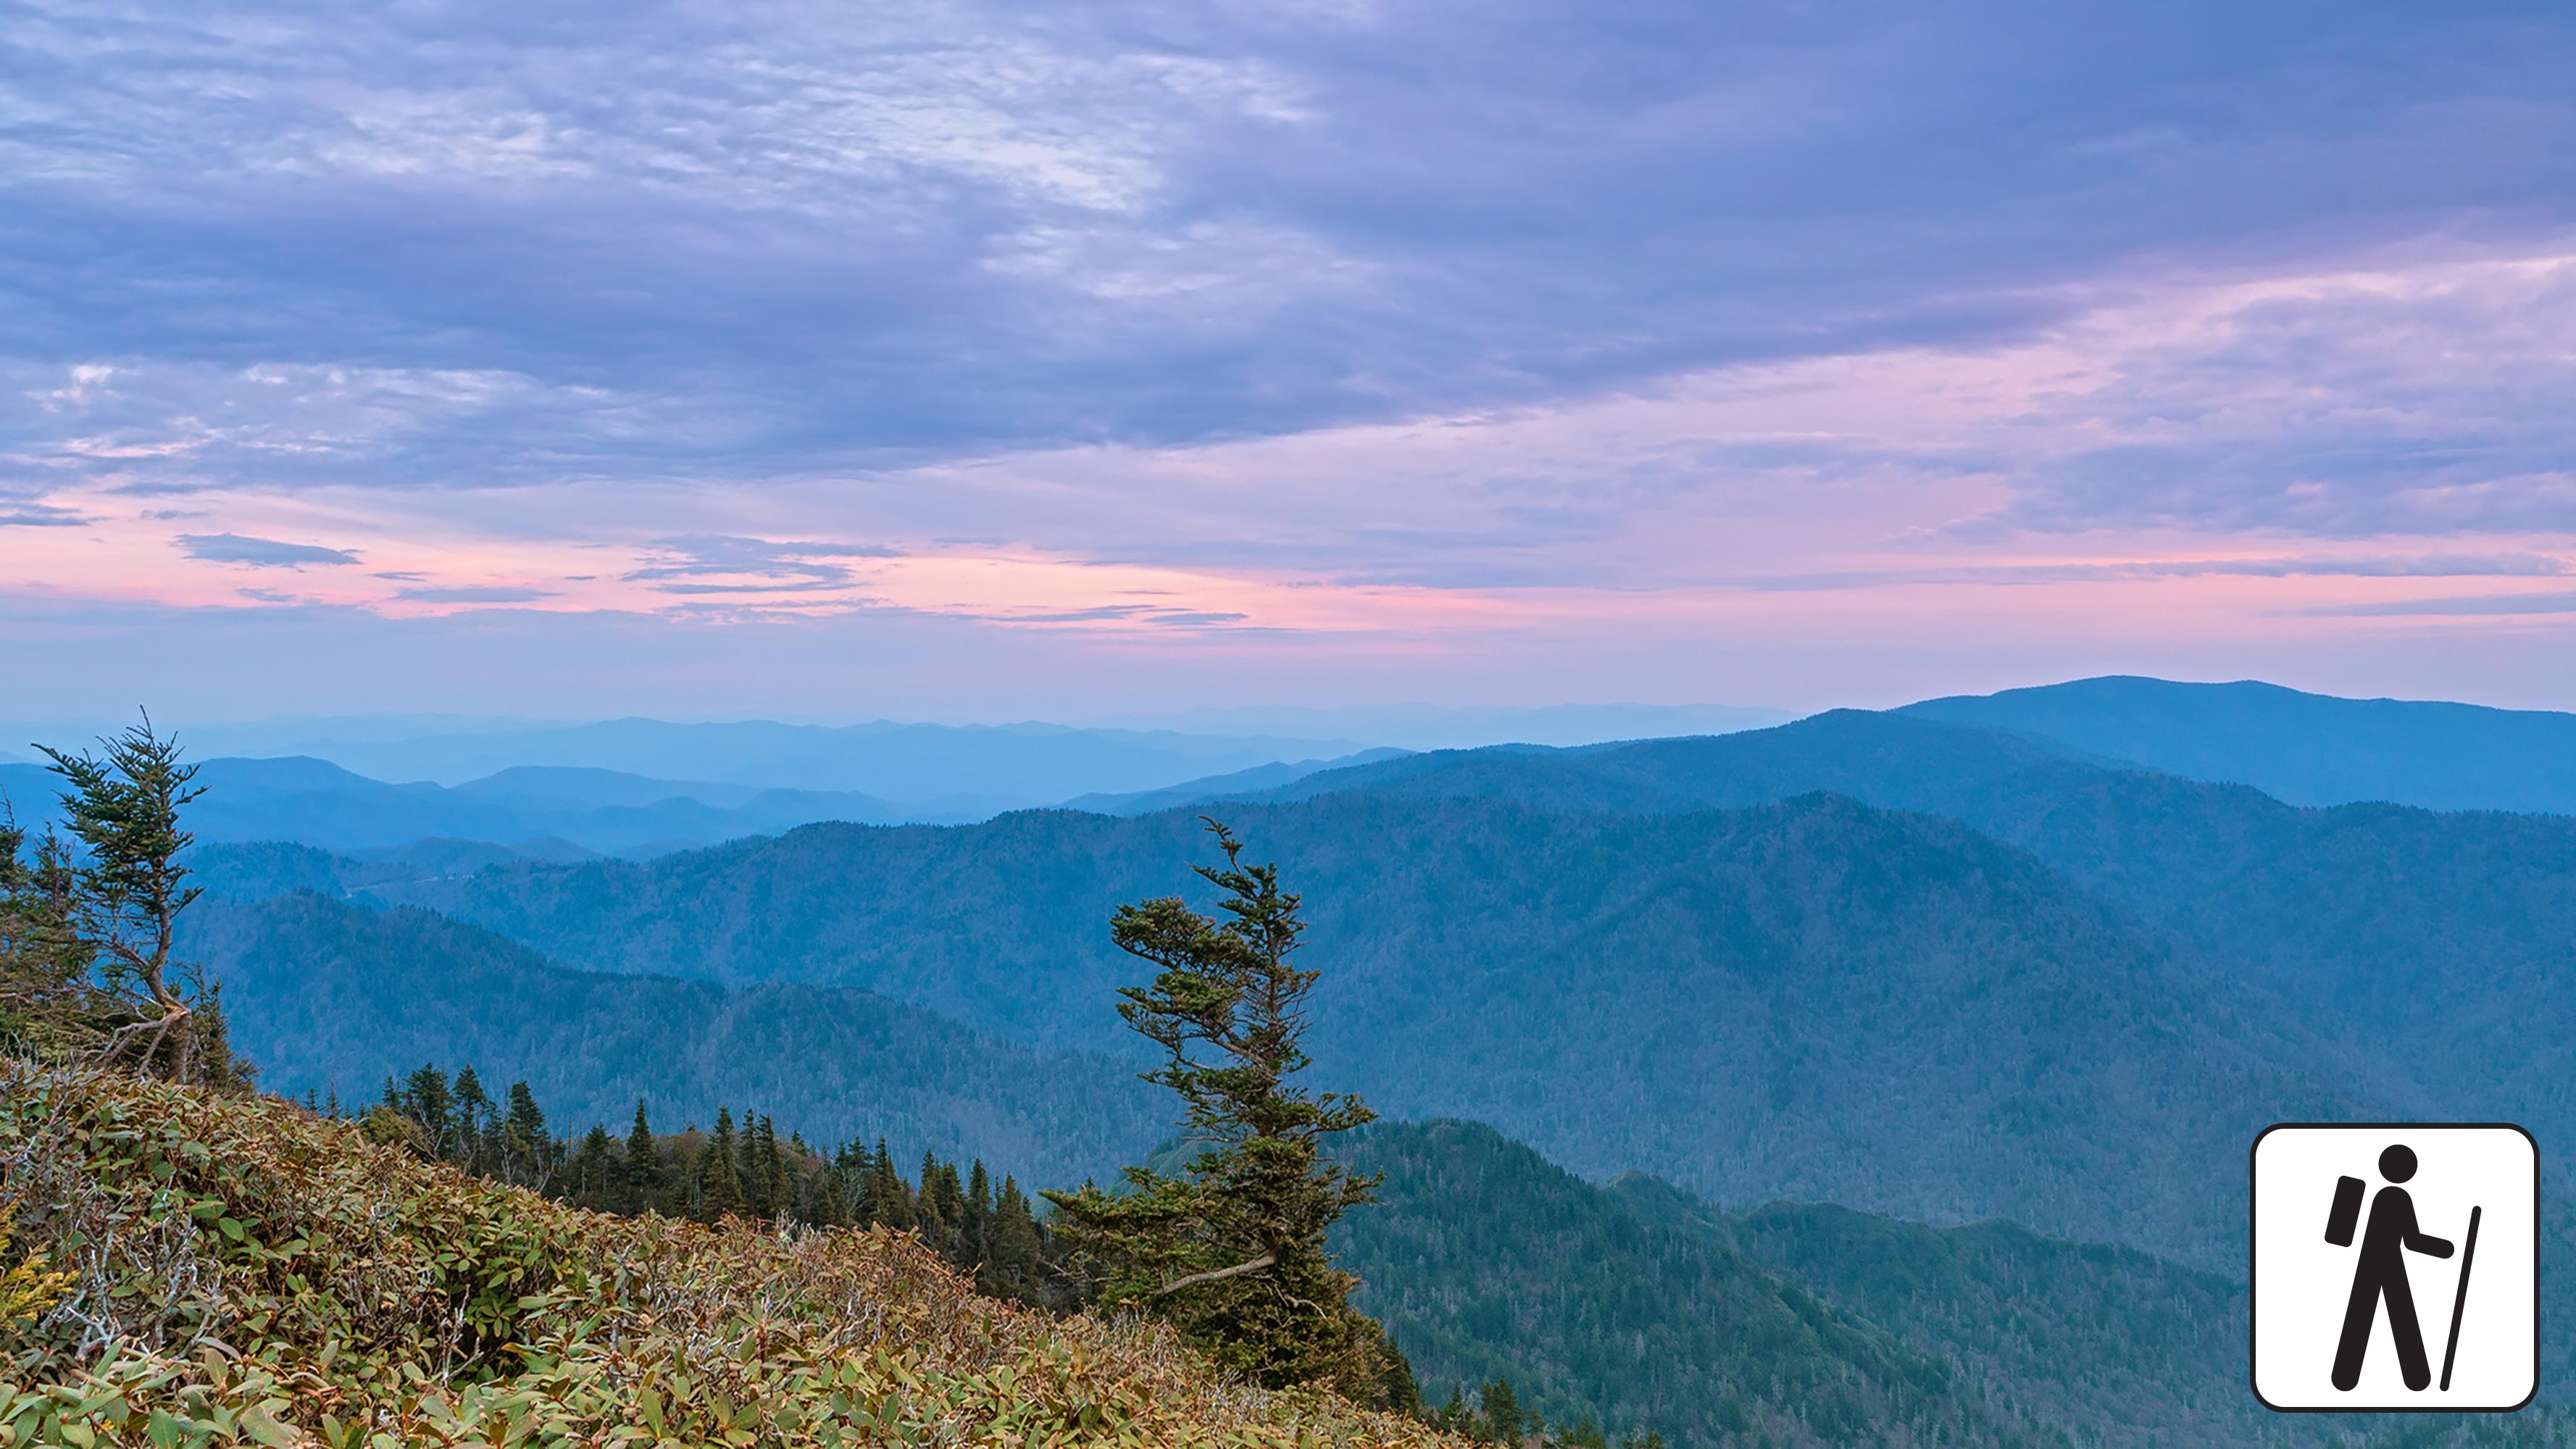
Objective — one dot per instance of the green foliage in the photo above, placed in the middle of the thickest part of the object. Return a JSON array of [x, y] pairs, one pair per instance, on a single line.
[[1496, 1268], [128, 891], [330, 995], [48, 999], [246, 1272], [988, 1234], [87, 934], [1234, 1250], [2137, 1352]]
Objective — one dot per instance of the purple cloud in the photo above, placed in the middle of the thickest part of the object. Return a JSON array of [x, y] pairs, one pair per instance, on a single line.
[[235, 548]]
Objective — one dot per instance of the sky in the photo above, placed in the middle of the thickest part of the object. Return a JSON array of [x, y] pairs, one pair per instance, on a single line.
[[949, 360]]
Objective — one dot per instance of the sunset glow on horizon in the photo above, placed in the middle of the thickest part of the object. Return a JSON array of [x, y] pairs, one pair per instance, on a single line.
[[1157, 345]]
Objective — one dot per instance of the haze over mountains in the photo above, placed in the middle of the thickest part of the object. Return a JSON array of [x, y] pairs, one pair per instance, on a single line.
[[2022, 936], [640, 787], [2008, 1000]]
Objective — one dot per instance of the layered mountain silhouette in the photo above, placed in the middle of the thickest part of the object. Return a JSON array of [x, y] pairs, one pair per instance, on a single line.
[[2307, 749], [330, 997], [1814, 998]]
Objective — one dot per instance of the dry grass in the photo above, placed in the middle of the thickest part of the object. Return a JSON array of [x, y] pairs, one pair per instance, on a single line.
[[191, 1269]]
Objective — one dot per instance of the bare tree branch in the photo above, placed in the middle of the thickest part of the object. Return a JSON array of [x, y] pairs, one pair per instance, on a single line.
[[1253, 1265]]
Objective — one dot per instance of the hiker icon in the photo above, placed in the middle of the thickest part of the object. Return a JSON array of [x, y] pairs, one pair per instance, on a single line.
[[2421, 1294], [2379, 1276]]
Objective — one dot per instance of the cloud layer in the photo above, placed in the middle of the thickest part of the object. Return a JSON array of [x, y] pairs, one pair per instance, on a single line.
[[1330, 331]]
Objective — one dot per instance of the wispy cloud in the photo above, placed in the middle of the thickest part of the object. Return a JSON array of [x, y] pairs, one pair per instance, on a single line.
[[2495, 605], [724, 564], [2128, 571], [39, 515], [234, 548], [473, 594]]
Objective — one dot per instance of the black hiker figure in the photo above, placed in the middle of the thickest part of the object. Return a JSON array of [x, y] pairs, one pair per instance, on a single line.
[[2381, 1273]]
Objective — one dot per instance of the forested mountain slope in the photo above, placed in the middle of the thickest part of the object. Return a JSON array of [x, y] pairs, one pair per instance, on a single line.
[[333, 997], [1814, 999], [1638, 1304], [2309, 749], [2432, 946], [1485, 1261], [2124, 1347]]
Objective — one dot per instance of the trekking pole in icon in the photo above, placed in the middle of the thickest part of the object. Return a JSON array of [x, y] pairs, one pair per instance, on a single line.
[[2460, 1297]]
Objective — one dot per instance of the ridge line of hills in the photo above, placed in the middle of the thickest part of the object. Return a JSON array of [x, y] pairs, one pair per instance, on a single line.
[[2300, 748]]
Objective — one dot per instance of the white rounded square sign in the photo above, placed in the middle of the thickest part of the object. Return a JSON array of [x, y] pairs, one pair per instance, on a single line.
[[2396, 1267]]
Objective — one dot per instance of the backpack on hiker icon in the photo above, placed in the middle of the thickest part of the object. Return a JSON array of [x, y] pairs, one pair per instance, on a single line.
[[2345, 1219]]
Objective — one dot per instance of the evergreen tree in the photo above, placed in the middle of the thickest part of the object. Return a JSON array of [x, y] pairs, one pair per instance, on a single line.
[[803, 1170], [526, 1147], [1014, 1262], [889, 1201], [850, 1168], [1499, 1409], [47, 1000], [1234, 1252], [1454, 1415], [642, 1186], [747, 1167], [427, 1101], [719, 1179], [138, 1003], [931, 1208], [591, 1174], [831, 1206], [777, 1195], [1397, 1393], [975, 1226], [469, 1136]]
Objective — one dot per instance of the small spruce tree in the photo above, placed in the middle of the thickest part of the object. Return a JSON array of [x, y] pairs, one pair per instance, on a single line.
[[1233, 1252], [642, 1188], [127, 889], [526, 1148], [719, 1181], [48, 1002], [1500, 1408], [777, 1194]]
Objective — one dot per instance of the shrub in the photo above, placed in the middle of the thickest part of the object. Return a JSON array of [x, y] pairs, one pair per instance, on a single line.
[[197, 1269]]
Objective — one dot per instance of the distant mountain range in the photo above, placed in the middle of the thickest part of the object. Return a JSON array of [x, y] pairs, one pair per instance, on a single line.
[[556, 812], [2307, 749], [544, 812], [945, 771], [1452, 727], [1238, 783], [644, 787]]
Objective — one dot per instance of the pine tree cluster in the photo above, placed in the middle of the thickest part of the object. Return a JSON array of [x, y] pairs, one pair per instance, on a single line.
[[741, 1168]]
